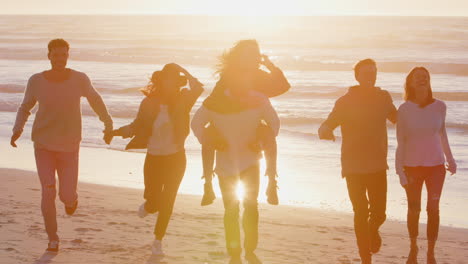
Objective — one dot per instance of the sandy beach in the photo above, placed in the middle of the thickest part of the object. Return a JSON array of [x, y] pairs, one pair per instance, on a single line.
[[106, 229]]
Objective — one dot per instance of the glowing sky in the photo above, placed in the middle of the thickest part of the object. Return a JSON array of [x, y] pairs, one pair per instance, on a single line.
[[240, 7]]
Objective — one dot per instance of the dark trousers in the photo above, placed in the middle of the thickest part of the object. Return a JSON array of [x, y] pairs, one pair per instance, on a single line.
[[368, 194], [163, 175], [228, 184], [434, 178]]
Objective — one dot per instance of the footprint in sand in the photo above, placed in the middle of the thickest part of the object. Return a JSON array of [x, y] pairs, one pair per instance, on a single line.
[[216, 254], [322, 229], [212, 235], [156, 260], [77, 241], [80, 215], [211, 243], [338, 239], [344, 260], [82, 229]]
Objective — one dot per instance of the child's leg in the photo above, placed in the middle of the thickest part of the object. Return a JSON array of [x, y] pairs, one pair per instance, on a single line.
[[267, 142], [208, 158]]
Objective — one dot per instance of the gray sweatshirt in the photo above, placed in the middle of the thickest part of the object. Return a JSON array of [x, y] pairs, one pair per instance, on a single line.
[[57, 125]]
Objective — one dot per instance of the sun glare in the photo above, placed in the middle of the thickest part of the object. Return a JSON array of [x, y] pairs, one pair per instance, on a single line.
[[240, 191]]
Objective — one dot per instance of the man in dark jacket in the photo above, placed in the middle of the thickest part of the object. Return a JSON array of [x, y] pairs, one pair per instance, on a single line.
[[362, 114]]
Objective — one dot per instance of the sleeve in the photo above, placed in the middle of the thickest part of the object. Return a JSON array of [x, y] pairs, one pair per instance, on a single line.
[[272, 84], [270, 116], [392, 115], [399, 154], [199, 122], [191, 96], [130, 130], [24, 111], [96, 103], [336, 117], [444, 138]]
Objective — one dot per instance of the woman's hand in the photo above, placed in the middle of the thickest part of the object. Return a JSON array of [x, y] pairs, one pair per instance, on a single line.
[[452, 167], [267, 62], [193, 82]]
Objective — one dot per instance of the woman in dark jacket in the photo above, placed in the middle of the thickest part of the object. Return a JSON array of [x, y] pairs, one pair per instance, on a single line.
[[161, 127]]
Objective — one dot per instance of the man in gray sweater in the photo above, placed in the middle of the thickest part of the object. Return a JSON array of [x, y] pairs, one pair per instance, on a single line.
[[56, 131]]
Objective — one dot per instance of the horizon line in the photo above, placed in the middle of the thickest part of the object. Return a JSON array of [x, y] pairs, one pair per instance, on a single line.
[[229, 15]]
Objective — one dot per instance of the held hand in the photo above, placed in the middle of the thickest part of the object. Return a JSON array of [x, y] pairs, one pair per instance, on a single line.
[[267, 62], [108, 136], [452, 167], [14, 137], [326, 133]]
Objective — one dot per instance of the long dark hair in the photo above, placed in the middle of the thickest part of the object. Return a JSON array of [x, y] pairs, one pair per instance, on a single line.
[[409, 89]]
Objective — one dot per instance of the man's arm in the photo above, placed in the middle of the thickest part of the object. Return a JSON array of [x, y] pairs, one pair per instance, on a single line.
[[24, 111], [335, 118], [392, 111], [98, 106]]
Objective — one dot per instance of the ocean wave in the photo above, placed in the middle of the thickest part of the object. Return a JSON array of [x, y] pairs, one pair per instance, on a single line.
[[315, 121], [296, 92], [15, 88], [207, 57]]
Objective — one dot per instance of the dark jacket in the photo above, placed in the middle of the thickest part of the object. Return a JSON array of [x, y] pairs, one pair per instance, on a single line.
[[363, 117], [141, 128]]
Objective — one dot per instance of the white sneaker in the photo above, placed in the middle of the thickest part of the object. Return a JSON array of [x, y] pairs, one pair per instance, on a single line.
[[142, 213], [156, 248]]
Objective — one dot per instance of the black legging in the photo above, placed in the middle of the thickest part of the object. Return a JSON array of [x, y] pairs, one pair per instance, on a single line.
[[163, 175]]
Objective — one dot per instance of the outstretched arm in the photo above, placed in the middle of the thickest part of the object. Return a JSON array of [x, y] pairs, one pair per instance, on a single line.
[[98, 106]]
